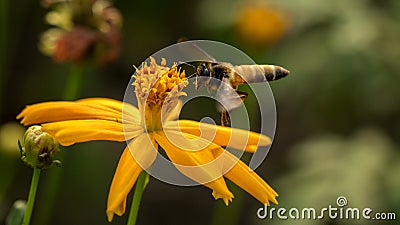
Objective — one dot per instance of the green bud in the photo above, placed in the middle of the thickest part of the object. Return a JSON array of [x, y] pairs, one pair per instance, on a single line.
[[38, 148]]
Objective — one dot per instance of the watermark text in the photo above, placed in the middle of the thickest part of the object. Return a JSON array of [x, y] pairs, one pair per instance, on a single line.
[[340, 211]]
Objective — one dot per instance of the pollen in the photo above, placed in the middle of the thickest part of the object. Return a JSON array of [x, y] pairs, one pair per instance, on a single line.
[[154, 83], [157, 89]]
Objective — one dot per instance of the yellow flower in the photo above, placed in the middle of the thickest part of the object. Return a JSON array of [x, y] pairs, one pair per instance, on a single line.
[[193, 147], [261, 25]]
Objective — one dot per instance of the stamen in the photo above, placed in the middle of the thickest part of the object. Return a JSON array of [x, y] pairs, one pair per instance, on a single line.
[[157, 88]]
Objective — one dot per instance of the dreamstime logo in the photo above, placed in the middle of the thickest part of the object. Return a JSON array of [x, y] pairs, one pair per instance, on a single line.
[[341, 201], [210, 51], [332, 212]]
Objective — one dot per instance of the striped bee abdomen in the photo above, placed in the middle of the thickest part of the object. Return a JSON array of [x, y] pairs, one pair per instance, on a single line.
[[260, 73]]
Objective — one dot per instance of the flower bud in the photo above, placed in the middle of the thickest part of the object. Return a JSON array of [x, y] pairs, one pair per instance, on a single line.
[[38, 148]]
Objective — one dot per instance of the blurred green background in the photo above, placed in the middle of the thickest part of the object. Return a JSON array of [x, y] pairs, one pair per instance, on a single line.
[[338, 129]]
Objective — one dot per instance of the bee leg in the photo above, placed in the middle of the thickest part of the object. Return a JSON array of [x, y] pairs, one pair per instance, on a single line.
[[225, 120], [243, 95], [209, 90], [209, 85], [196, 83]]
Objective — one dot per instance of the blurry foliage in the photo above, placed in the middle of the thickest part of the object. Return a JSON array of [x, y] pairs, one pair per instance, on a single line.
[[16, 214], [362, 167], [343, 57], [10, 133]]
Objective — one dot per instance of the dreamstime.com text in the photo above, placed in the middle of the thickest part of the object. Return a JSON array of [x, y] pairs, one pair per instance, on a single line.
[[332, 212]]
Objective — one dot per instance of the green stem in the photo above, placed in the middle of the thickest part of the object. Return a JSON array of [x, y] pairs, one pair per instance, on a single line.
[[31, 197], [51, 186], [73, 82], [137, 197]]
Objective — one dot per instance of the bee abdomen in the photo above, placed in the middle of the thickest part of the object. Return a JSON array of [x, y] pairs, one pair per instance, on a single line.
[[273, 72], [261, 73]]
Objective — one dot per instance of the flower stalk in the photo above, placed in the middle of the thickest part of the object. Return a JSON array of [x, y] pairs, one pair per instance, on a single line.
[[74, 81], [31, 197], [141, 184]]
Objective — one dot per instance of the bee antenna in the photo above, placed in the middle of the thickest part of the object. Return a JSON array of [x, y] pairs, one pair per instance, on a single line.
[[191, 75], [185, 63]]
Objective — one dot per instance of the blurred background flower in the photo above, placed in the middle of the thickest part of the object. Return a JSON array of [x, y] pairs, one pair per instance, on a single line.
[[343, 57], [261, 24], [82, 29], [257, 24]]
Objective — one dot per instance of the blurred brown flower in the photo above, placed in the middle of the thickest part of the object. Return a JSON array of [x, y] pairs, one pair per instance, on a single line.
[[82, 30], [74, 45]]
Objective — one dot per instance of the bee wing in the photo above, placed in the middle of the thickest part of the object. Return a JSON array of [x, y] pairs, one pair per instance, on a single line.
[[190, 51], [227, 97], [204, 53]]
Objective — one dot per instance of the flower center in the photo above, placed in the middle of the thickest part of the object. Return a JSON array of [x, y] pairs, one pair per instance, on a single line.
[[157, 89]]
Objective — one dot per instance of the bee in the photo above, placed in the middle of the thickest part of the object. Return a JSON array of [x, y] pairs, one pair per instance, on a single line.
[[228, 78]]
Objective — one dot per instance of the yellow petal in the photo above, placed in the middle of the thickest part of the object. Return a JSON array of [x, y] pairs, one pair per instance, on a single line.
[[124, 178], [47, 112], [75, 131], [144, 149], [248, 180], [195, 164], [106, 102], [223, 136], [174, 114], [130, 111], [127, 173]]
